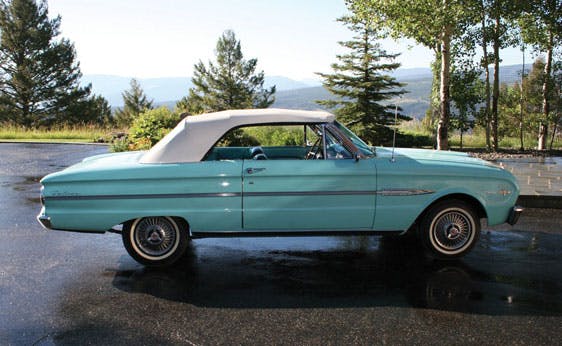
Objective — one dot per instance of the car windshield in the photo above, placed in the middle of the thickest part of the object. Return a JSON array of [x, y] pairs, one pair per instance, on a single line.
[[364, 147]]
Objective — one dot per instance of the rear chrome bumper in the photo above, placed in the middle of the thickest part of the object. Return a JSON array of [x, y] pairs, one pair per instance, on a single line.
[[514, 214], [45, 221]]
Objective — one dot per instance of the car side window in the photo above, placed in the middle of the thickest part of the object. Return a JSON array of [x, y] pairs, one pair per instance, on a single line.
[[279, 142], [269, 142]]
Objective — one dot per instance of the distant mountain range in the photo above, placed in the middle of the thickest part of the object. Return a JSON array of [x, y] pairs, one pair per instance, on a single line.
[[166, 89], [290, 93]]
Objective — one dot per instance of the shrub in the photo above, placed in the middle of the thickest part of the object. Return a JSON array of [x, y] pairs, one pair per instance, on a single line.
[[150, 126], [119, 144], [276, 136], [413, 140], [147, 129]]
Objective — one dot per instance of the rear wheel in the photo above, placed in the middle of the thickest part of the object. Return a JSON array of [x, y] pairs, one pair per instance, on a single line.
[[450, 229], [155, 240]]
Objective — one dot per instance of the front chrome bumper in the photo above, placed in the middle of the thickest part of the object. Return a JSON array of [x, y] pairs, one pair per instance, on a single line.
[[514, 214]]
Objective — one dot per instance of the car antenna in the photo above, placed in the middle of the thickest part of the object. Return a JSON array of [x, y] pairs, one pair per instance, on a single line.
[[394, 136]]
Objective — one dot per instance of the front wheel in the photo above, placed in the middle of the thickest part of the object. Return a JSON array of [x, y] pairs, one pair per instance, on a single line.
[[155, 240], [450, 229]]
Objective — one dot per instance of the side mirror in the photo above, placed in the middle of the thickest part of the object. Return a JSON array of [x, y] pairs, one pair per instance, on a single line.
[[356, 156]]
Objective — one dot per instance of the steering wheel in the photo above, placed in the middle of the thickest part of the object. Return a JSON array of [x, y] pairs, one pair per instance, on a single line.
[[257, 153], [314, 152]]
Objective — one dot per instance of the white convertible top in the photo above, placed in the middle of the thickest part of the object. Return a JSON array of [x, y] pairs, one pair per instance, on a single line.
[[192, 138]]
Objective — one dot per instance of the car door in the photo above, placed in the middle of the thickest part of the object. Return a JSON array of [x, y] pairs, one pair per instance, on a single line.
[[290, 195], [210, 195]]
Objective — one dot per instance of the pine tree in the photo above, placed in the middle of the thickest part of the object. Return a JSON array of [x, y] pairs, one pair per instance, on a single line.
[[135, 102], [39, 74], [94, 110], [229, 83], [361, 82]]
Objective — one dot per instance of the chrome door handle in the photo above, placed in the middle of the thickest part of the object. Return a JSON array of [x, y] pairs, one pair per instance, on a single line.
[[254, 170]]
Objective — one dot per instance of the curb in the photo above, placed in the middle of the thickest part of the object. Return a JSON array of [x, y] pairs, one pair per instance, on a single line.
[[5, 141], [540, 201]]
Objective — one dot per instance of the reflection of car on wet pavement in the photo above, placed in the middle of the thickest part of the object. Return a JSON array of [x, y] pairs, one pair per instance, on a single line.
[[327, 182], [339, 272]]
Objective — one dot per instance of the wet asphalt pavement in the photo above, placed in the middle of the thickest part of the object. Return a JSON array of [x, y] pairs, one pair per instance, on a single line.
[[68, 288]]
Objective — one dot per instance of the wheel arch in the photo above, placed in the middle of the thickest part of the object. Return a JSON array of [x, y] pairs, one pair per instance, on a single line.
[[470, 200]]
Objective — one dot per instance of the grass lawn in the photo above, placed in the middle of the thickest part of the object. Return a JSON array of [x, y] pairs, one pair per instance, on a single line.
[[477, 139], [92, 134], [84, 134]]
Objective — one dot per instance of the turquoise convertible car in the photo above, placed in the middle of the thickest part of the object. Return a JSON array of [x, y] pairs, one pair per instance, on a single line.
[[328, 181]]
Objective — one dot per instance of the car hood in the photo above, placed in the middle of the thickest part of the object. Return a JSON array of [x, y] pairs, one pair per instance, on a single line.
[[436, 156]]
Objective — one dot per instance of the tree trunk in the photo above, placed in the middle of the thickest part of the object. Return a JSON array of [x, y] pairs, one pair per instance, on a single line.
[[543, 133], [496, 91], [442, 127], [521, 102], [486, 64], [553, 135], [543, 129], [557, 117], [487, 119]]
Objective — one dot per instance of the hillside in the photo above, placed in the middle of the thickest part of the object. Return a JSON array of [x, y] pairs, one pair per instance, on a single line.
[[414, 103], [290, 93], [161, 90]]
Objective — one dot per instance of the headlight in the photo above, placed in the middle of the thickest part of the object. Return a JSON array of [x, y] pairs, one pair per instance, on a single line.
[[494, 164]]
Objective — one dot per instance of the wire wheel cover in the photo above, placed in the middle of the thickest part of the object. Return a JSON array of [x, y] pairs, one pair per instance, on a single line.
[[155, 236], [452, 230]]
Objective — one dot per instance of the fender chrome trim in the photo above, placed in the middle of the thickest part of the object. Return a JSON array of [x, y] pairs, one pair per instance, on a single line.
[[404, 192]]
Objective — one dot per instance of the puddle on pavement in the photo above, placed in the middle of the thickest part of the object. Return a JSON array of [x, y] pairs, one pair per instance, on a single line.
[[23, 185], [33, 200]]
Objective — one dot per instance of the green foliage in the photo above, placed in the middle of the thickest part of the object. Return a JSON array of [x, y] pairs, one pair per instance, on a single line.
[[276, 136], [545, 35], [413, 140], [135, 102], [120, 144], [434, 24], [467, 91], [556, 104], [93, 110], [39, 74], [362, 85], [238, 138], [541, 25], [515, 121], [229, 83], [151, 126], [147, 129]]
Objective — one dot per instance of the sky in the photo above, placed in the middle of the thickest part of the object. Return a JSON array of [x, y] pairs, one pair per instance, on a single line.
[[165, 38]]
